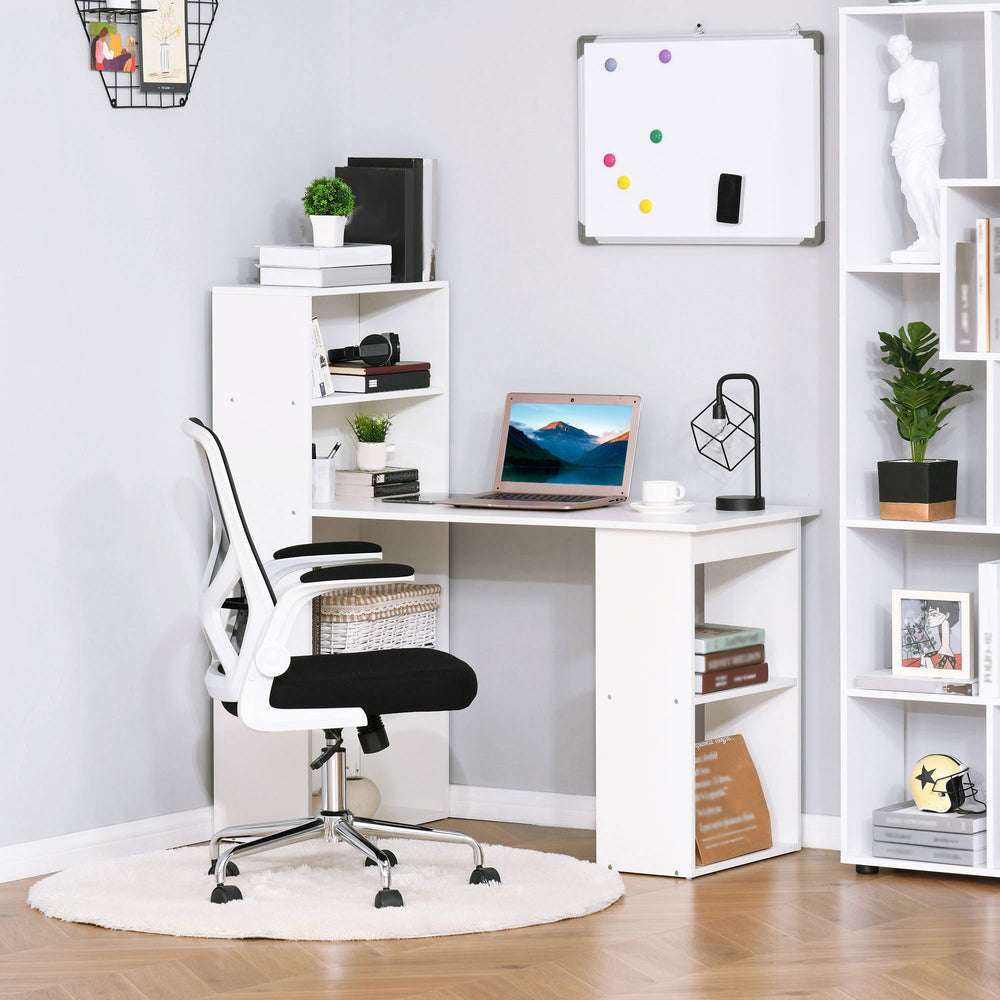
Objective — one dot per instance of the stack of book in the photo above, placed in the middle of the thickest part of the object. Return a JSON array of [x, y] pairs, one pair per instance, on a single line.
[[903, 831], [387, 482], [727, 656], [356, 376], [394, 204], [977, 289], [326, 267]]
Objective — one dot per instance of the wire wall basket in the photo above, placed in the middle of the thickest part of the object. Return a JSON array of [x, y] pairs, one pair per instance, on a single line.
[[123, 88]]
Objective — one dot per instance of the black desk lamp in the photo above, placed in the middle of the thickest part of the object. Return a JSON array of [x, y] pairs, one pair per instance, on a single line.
[[729, 436]]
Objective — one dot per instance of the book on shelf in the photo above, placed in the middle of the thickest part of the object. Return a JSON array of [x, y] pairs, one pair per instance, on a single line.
[[733, 677], [385, 211], [988, 622], [382, 383], [390, 474], [930, 838], [360, 368], [965, 296], [424, 182], [378, 489], [726, 658], [322, 381], [711, 638], [884, 680], [307, 255], [326, 277], [935, 855], [910, 817], [982, 284]]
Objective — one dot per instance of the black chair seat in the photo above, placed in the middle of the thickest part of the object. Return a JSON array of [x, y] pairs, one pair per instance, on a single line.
[[381, 682]]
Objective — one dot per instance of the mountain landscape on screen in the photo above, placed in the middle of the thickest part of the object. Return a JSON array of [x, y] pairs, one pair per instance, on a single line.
[[559, 451]]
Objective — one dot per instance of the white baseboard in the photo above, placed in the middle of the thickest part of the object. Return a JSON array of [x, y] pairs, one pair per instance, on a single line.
[[509, 805], [39, 857], [579, 812], [822, 832]]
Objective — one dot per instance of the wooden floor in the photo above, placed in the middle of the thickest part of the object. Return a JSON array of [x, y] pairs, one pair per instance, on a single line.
[[802, 925]]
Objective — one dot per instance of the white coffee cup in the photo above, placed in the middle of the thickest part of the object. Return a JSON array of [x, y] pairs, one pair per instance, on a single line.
[[662, 491]]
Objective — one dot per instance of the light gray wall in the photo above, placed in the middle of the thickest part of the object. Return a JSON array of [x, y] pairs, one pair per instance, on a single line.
[[490, 91], [115, 226]]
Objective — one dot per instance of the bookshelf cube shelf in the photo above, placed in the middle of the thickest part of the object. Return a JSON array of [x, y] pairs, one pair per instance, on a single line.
[[883, 733]]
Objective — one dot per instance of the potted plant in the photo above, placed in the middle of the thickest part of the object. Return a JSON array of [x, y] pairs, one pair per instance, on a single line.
[[328, 202], [370, 430], [917, 489]]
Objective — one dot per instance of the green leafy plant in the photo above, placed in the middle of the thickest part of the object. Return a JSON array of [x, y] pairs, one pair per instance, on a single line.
[[328, 196], [918, 394], [370, 427]]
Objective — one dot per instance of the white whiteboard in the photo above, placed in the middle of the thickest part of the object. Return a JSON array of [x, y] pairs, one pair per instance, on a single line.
[[661, 118]]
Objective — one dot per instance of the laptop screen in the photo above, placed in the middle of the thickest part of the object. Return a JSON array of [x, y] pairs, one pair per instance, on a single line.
[[568, 443]]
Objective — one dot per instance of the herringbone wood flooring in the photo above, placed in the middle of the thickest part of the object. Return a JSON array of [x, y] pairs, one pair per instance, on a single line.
[[802, 925]]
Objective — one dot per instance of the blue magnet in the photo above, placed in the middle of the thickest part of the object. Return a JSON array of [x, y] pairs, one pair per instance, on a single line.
[[611, 65]]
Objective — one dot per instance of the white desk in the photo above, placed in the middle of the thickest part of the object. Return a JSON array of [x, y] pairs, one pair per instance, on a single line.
[[654, 577]]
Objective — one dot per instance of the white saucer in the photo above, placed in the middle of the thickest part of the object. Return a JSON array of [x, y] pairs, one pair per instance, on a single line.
[[678, 507]]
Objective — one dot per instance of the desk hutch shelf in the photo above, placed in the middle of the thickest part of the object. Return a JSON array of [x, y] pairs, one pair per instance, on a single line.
[[653, 579], [883, 734]]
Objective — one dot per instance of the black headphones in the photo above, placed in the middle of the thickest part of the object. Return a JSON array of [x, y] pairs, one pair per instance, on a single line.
[[376, 349]]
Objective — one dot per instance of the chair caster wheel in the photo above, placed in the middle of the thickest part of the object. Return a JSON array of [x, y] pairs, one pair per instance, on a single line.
[[487, 876], [231, 869], [225, 894], [388, 897], [370, 862]]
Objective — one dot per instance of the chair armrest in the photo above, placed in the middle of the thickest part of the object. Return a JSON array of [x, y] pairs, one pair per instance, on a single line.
[[293, 558], [357, 571]]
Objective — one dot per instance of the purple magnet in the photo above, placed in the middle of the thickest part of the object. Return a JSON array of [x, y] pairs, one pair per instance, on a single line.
[[609, 160], [665, 55], [611, 65]]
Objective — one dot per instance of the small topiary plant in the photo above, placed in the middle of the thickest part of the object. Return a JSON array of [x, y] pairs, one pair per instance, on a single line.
[[328, 196], [918, 393], [370, 428]]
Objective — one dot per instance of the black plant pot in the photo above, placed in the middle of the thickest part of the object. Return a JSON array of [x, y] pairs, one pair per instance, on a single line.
[[917, 491]]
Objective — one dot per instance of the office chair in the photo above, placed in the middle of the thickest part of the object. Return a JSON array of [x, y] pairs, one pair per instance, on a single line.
[[248, 610]]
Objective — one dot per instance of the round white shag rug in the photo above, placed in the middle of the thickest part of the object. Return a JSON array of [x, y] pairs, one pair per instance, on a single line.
[[323, 892]]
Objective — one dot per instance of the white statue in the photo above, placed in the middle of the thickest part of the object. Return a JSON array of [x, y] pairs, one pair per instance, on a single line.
[[916, 148]]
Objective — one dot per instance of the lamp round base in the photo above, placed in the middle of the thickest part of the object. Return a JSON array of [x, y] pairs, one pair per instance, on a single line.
[[739, 503]]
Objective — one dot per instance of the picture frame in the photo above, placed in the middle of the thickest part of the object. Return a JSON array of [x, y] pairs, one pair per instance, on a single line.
[[163, 48], [932, 634]]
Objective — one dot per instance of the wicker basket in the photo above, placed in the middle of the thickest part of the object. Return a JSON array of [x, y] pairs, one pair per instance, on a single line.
[[380, 616]]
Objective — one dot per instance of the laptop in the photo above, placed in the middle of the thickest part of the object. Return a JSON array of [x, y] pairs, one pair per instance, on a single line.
[[561, 452]]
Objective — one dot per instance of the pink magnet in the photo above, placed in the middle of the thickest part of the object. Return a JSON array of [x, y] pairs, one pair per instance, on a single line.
[[665, 55], [609, 160]]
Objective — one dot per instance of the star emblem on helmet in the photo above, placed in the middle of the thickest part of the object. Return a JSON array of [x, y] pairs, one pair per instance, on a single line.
[[925, 777]]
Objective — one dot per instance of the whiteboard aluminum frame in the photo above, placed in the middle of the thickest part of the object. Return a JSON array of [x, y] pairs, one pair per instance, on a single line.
[[819, 233]]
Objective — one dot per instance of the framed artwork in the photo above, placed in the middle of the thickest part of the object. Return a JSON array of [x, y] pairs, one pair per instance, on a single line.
[[109, 52], [932, 634], [163, 47]]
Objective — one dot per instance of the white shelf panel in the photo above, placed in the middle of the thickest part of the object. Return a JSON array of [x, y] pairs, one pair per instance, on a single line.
[[745, 859], [353, 398], [299, 290], [887, 267], [918, 866], [941, 699], [774, 684], [957, 525]]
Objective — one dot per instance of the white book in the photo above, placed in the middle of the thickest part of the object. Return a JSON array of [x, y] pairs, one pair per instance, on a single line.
[[930, 838], [306, 255], [935, 855], [982, 284], [327, 277], [994, 337], [988, 621], [322, 379]]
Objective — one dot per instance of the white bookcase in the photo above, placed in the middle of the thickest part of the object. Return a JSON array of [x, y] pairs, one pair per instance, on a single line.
[[264, 411], [883, 733]]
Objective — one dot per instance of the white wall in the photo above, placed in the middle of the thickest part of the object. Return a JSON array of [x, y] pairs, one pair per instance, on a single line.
[[490, 90], [115, 226]]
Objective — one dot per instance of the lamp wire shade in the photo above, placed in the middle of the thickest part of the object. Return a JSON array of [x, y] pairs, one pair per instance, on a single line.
[[734, 442]]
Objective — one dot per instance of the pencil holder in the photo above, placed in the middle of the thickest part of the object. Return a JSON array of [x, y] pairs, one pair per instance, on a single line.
[[323, 475]]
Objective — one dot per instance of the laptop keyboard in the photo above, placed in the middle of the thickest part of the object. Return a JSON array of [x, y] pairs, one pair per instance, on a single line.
[[554, 497]]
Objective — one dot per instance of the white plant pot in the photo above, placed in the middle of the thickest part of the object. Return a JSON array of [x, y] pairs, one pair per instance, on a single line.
[[328, 230], [372, 455], [363, 796]]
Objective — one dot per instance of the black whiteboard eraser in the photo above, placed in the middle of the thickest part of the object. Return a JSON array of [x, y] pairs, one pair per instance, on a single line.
[[729, 208]]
